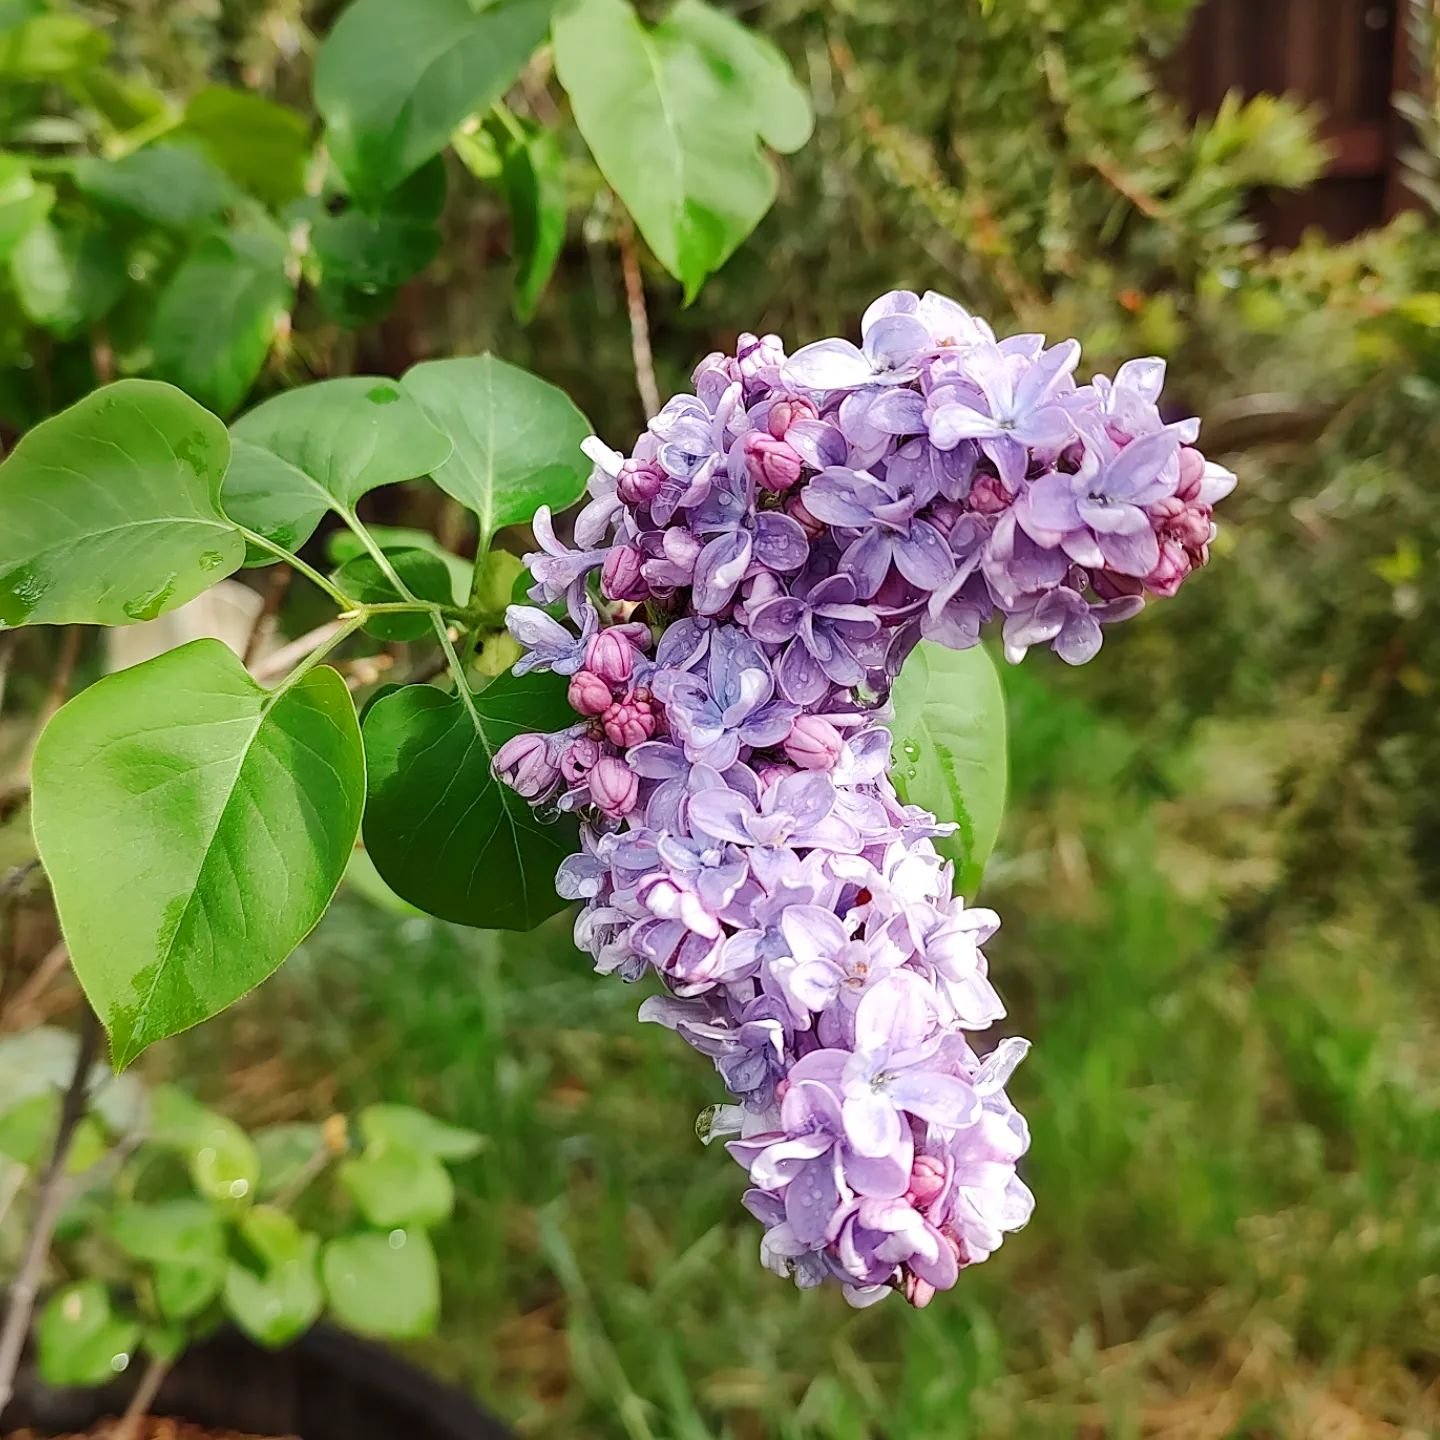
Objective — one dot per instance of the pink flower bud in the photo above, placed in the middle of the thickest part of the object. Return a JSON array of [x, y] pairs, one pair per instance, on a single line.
[[1192, 472], [611, 656], [795, 508], [1194, 529], [589, 694], [927, 1179], [579, 758], [1171, 569], [770, 463], [630, 721], [813, 743], [620, 578], [524, 763], [638, 483], [784, 413], [770, 773], [988, 495], [917, 1291], [614, 787]]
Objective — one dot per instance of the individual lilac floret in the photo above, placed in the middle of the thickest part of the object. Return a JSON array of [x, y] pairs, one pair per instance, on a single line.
[[743, 588]]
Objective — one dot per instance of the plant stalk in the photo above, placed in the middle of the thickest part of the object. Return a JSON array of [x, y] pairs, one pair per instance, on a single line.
[[50, 1200], [142, 1399]]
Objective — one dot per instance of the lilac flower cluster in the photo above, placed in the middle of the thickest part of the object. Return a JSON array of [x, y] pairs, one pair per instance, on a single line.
[[743, 588]]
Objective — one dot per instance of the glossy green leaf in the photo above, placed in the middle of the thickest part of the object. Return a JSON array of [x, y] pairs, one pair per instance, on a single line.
[[391, 92], [24, 202], [425, 576], [109, 512], [169, 1232], [398, 1186], [383, 1285], [338, 440], [244, 804], [68, 274], [270, 496], [217, 318], [517, 438], [405, 1127], [674, 127], [344, 545], [949, 755], [262, 146], [443, 832], [174, 186], [286, 1152], [80, 1340], [223, 1162], [532, 177], [279, 1298], [49, 47]]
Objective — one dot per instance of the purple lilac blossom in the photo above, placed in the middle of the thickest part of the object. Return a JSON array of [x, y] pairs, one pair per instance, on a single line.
[[767, 555]]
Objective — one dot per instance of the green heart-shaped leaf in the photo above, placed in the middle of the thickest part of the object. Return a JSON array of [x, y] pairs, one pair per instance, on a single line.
[[79, 1338], [443, 832], [517, 438], [110, 512], [384, 1285], [335, 442], [239, 807]]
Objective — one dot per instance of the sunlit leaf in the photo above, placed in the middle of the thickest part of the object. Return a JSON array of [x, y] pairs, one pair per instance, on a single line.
[[244, 804], [80, 1340], [383, 1285], [262, 146], [517, 438]]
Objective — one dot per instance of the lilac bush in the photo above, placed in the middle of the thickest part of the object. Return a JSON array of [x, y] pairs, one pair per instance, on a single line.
[[744, 588]]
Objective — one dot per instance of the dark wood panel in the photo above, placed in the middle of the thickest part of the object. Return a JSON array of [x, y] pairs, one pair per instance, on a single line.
[[1342, 57]]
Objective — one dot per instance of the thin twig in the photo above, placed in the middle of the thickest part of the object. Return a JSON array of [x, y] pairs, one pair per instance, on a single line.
[[15, 1013], [50, 1197], [639, 320], [264, 626], [128, 1427]]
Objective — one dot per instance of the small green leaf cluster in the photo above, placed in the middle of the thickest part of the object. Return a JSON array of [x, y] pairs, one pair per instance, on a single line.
[[194, 823], [190, 241], [178, 1220]]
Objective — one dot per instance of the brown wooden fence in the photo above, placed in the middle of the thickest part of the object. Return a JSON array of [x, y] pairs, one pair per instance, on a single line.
[[1345, 57]]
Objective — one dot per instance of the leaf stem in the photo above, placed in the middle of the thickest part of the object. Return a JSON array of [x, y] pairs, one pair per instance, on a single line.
[[350, 623], [462, 686], [381, 559], [295, 562], [142, 1399], [50, 1200]]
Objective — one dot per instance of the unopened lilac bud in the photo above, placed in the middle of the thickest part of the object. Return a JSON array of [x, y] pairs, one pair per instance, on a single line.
[[589, 694], [1111, 585], [770, 463], [614, 787], [630, 721], [620, 577], [989, 496], [784, 413], [611, 656], [525, 764], [917, 1291], [755, 354], [1171, 569], [1192, 472], [813, 743], [638, 483], [927, 1179], [579, 758]]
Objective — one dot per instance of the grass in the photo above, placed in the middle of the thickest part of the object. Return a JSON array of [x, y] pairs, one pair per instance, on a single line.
[[1236, 1135]]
